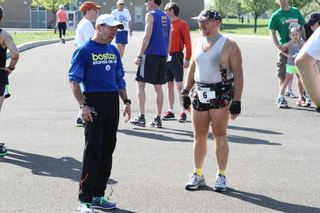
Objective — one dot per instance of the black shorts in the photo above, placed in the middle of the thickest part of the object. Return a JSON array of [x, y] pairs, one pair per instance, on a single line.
[[4, 84], [175, 67], [223, 92], [3, 77], [4, 91], [152, 70]]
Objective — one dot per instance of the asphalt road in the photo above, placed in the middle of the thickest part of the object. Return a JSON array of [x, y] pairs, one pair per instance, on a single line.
[[274, 154]]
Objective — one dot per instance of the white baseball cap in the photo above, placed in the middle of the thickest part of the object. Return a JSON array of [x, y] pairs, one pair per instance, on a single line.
[[120, 2], [109, 20]]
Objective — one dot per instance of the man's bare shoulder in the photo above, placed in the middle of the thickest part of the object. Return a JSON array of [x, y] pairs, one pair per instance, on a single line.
[[231, 45], [4, 35]]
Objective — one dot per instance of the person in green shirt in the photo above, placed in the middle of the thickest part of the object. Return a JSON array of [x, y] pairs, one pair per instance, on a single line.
[[281, 21]]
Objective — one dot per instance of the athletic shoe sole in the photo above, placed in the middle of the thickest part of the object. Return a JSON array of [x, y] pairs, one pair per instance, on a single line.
[[219, 189], [193, 188], [3, 154], [137, 124], [155, 126], [182, 121], [168, 119], [104, 208]]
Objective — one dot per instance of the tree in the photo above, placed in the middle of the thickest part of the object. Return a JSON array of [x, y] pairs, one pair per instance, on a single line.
[[51, 5], [222, 6], [256, 8], [299, 3]]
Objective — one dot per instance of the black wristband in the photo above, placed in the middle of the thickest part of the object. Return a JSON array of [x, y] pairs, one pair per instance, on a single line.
[[184, 92], [235, 107], [127, 101], [11, 68]]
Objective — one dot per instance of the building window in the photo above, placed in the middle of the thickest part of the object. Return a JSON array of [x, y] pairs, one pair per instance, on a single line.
[[138, 14], [37, 8]]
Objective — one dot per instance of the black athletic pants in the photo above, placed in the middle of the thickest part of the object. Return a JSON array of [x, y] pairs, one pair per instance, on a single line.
[[100, 142], [62, 26]]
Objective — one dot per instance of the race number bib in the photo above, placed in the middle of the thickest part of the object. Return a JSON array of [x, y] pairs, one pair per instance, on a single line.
[[205, 95]]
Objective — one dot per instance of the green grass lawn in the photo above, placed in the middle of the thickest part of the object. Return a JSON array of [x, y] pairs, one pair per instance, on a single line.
[[26, 37], [234, 26]]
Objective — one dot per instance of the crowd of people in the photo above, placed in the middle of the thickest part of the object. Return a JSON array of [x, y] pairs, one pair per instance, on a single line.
[[290, 25], [212, 90]]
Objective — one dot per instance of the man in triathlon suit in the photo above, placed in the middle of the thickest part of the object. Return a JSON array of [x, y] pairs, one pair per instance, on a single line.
[[216, 75], [152, 60], [6, 42], [180, 38], [307, 62]]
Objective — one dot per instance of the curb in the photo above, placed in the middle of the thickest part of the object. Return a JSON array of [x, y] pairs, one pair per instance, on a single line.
[[30, 45]]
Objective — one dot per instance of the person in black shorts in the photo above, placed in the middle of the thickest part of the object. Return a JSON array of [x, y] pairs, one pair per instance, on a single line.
[[216, 76], [177, 61], [152, 60], [6, 42]]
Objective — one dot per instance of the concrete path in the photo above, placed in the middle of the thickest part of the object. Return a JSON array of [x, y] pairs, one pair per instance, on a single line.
[[274, 154]]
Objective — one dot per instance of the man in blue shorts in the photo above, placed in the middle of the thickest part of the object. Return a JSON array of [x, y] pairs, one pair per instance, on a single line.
[[123, 15], [152, 60], [97, 64], [6, 42]]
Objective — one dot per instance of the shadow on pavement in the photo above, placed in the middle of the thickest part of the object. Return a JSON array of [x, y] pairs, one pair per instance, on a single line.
[[253, 141], [254, 130], [64, 167], [245, 140], [114, 211], [270, 203], [156, 134]]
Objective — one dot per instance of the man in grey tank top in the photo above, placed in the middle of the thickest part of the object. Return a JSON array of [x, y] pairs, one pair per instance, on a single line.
[[216, 94]]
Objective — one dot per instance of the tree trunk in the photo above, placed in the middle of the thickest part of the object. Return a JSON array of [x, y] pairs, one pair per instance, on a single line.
[[255, 23]]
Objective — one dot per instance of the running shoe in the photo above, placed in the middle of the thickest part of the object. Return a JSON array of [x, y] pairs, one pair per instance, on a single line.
[[168, 116], [85, 207], [156, 122], [195, 182], [183, 117], [103, 203], [300, 102], [282, 103], [221, 184], [3, 150], [308, 101], [290, 94], [139, 121], [80, 122]]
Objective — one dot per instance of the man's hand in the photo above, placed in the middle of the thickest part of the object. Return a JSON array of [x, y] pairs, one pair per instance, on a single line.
[[86, 114], [127, 113], [235, 109], [186, 64], [186, 101], [282, 48], [138, 60]]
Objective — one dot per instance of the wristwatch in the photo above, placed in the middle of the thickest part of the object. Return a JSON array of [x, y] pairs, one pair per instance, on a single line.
[[127, 101], [11, 68], [83, 105]]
